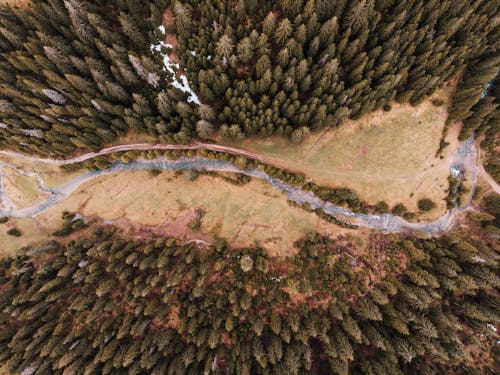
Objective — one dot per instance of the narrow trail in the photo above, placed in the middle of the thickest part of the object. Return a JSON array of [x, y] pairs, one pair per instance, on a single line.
[[141, 147], [465, 159]]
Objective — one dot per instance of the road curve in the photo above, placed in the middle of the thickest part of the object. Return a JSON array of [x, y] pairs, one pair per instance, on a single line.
[[142, 147]]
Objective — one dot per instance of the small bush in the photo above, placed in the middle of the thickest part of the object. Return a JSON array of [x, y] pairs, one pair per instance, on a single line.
[[387, 107], [409, 215], [14, 232], [426, 205], [155, 172], [382, 207], [437, 102], [399, 209], [3, 220]]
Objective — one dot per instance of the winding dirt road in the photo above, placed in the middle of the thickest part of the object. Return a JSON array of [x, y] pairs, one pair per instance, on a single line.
[[144, 147]]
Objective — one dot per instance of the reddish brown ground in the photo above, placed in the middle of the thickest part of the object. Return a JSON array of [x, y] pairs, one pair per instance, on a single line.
[[168, 22], [177, 228]]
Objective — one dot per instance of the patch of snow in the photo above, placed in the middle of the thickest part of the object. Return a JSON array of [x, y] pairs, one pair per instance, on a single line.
[[29, 370], [491, 326], [47, 118], [54, 95], [83, 263], [36, 133], [153, 79], [183, 84], [73, 346], [96, 105], [193, 53], [455, 171], [209, 57], [77, 217], [478, 259], [3, 126]]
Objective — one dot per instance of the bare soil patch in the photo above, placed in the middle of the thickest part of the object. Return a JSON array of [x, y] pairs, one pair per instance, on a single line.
[[168, 22]]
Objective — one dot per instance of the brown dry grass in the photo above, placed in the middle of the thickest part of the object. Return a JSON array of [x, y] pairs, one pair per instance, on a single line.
[[52, 175], [255, 213], [33, 232], [386, 156], [22, 190]]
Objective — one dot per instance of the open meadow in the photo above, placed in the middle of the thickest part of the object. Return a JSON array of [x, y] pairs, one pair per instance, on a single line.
[[250, 214], [388, 156]]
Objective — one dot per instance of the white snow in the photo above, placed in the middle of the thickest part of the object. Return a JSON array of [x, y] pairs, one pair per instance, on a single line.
[[183, 84], [36, 133], [74, 345], [29, 370], [3, 126], [455, 171], [96, 105], [54, 95]]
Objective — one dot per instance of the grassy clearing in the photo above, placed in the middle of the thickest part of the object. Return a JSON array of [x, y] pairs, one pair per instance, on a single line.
[[32, 232], [387, 156], [52, 175], [22, 190], [254, 213]]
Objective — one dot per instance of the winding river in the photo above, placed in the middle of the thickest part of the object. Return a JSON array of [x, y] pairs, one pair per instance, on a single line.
[[464, 160]]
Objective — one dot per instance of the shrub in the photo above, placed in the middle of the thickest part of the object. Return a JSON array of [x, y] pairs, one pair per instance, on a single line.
[[426, 205], [399, 209], [437, 102], [14, 232], [381, 207]]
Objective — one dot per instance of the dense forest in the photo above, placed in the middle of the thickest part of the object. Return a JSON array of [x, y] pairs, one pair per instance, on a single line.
[[79, 74], [105, 304]]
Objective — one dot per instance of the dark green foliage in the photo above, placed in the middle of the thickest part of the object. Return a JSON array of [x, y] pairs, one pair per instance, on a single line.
[[3, 220], [437, 102], [195, 224], [399, 209], [156, 306], [488, 118], [425, 204], [79, 74], [381, 207], [14, 232], [71, 223], [285, 67]]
